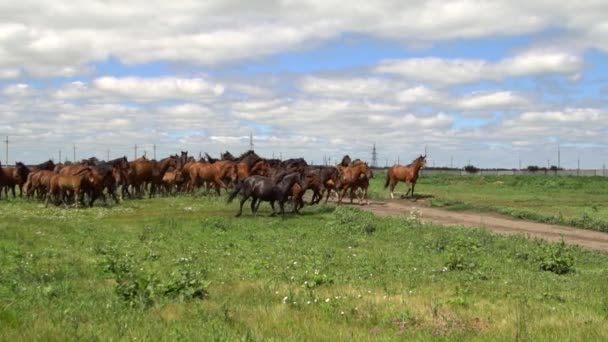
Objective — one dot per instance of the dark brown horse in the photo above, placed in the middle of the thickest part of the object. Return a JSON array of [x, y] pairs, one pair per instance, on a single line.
[[267, 189], [12, 177], [407, 174]]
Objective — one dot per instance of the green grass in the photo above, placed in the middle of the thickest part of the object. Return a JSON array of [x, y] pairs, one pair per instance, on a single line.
[[577, 201], [139, 270]]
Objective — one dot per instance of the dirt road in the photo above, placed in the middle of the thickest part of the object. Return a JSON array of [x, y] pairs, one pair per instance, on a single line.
[[494, 222]]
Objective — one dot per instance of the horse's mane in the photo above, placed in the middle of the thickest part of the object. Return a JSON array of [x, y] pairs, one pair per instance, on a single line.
[[345, 160], [227, 156], [416, 160], [248, 154], [210, 159]]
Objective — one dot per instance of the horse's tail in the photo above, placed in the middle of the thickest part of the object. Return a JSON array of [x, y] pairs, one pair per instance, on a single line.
[[236, 191], [388, 177]]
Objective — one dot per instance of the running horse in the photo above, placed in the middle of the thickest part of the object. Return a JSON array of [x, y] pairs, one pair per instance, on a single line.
[[408, 174], [349, 177]]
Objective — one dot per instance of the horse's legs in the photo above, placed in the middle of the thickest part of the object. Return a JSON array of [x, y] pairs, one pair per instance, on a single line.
[[328, 193], [243, 200], [392, 188], [413, 186], [409, 189], [253, 202], [273, 210], [257, 206], [282, 206], [341, 196]]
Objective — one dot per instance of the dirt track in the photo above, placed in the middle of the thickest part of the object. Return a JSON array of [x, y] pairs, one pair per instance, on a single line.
[[494, 222]]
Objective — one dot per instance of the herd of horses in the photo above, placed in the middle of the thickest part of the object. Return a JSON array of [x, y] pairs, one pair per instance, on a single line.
[[249, 175]]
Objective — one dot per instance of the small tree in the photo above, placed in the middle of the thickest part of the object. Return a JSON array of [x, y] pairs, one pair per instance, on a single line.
[[471, 169], [533, 168]]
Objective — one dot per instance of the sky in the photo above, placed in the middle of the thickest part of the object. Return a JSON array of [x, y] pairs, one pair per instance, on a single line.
[[491, 83]]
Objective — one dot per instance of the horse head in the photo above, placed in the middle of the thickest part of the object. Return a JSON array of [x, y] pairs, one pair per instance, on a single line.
[[422, 160]]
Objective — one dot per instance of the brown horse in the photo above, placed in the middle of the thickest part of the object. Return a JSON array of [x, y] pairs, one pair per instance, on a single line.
[[38, 182], [350, 177], [63, 185], [407, 174], [214, 173], [13, 177], [360, 188]]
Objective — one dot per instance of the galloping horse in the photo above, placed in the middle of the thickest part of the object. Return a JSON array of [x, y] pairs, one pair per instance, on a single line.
[[350, 177], [266, 189], [214, 173], [407, 174]]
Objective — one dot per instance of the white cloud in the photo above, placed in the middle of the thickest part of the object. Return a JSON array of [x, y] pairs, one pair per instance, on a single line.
[[419, 95], [62, 37], [158, 88], [460, 71], [505, 100], [19, 89]]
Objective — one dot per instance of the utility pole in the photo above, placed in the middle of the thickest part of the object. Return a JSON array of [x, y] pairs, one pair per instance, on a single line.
[[398, 161], [60, 156], [154, 148], [251, 141], [451, 162], [6, 142], [135, 152], [107, 154], [74, 153], [559, 156], [374, 156], [425, 150]]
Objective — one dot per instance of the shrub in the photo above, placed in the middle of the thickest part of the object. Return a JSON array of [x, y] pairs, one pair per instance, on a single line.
[[471, 169], [355, 220], [556, 258]]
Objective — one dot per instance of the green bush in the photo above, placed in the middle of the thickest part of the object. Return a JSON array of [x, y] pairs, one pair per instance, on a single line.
[[354, 220], [556, 258]]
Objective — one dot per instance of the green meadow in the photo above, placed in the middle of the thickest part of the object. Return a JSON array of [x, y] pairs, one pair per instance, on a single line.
[[185, 268], [577, 201]]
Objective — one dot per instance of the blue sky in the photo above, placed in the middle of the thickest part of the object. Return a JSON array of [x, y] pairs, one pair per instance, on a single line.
[[485, 82]]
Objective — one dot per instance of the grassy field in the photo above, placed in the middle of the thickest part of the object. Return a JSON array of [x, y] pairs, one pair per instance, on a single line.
[[576, 201], [185, 268]]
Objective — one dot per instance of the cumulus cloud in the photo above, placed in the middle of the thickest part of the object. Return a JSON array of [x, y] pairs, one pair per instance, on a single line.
[[62, 38], [158, 88], [460, 71], [505, 100]]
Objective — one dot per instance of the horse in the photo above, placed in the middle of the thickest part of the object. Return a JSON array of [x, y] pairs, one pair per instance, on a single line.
[[350, 176], [265, 189], [13, 177], [61, 185], [361, 184], [159, 168], [407, 174], [214, 173], [311, 181]]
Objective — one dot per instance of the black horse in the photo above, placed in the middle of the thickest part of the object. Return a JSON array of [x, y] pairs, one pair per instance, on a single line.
[[266, 189]]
